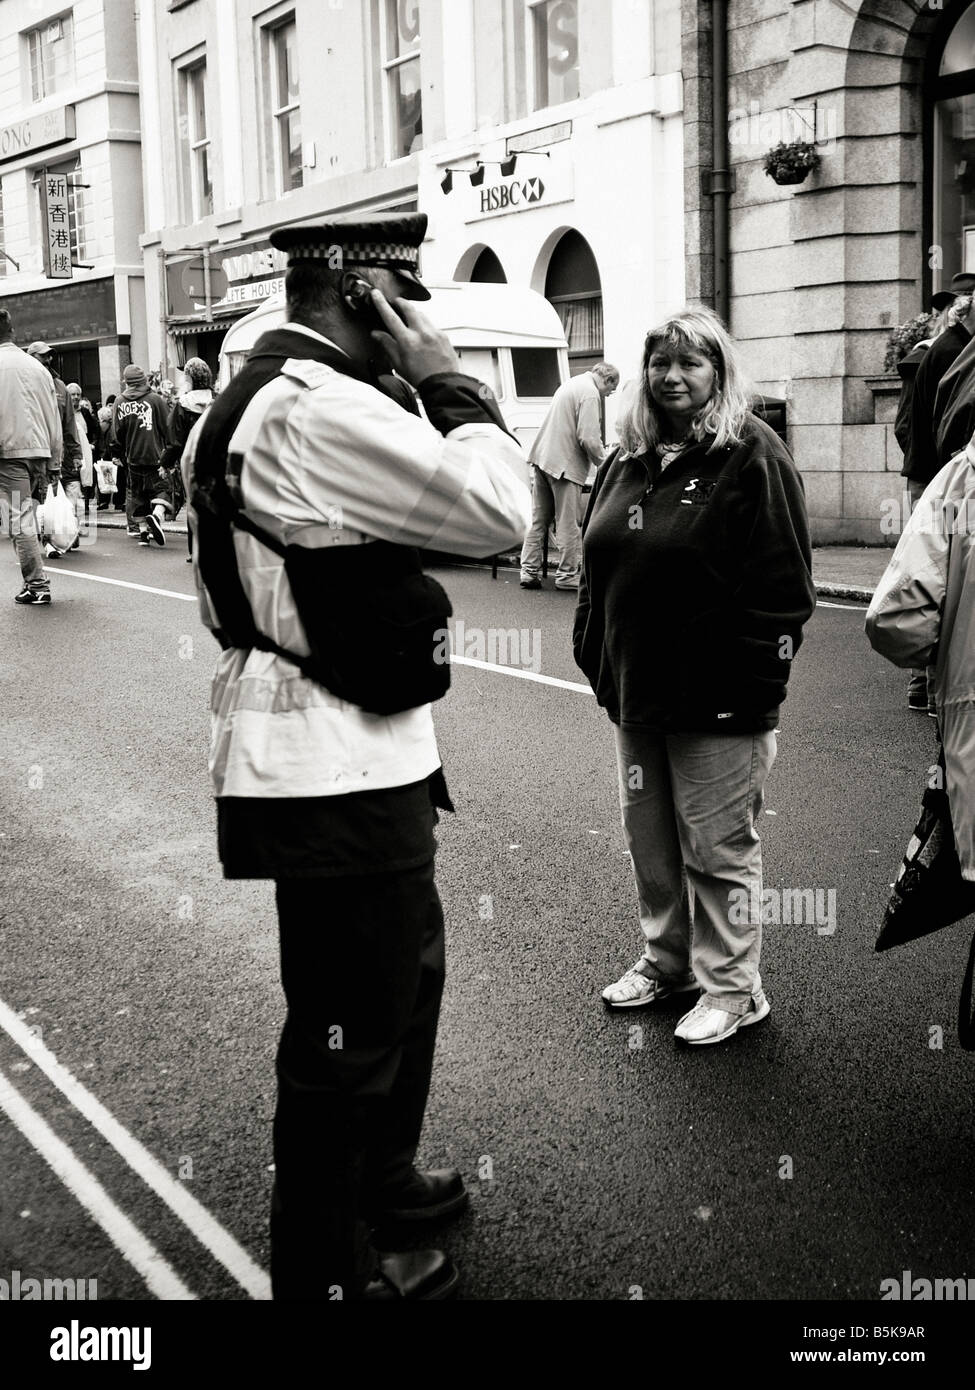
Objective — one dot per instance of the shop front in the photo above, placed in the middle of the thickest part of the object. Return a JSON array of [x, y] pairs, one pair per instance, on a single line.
[[210, 288], [79, 321]]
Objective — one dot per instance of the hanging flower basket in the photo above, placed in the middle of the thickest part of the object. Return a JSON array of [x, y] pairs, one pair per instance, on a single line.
[[791, 163]]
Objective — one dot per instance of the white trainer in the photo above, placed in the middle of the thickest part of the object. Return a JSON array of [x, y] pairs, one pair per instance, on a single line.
[[634, 990], [705, 1024]]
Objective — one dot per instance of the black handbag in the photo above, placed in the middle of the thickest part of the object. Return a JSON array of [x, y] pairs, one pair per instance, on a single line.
[[929, 892]]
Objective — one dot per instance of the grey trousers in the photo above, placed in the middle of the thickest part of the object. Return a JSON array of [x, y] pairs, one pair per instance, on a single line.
[[18, 521], [689, 804], [554, 499]]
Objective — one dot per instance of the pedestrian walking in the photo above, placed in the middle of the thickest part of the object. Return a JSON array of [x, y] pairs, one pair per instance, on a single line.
[[87, 441], [568, 445], [324, 758], [137, 434], [696, 585], [30, 451], [186, 411], [115, 496], [71, 456]]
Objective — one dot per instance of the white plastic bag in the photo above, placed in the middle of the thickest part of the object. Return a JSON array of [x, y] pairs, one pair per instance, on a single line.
[[56, 520], [107, 474]]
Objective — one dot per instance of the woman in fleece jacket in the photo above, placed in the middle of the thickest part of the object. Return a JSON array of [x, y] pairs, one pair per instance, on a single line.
[[696, 583]]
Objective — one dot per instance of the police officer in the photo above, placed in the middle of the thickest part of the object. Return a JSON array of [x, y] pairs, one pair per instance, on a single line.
[[327, 776]]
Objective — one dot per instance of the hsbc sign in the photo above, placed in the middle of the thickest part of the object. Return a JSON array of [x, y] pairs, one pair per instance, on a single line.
[[501, 196]]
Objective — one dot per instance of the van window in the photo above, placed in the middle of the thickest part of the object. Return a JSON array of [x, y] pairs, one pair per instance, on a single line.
[[482, 363], [235, 361], [536, 371]]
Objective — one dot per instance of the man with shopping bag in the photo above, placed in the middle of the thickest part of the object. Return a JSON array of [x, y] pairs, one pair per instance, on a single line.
[[70, 461], [30, 449]]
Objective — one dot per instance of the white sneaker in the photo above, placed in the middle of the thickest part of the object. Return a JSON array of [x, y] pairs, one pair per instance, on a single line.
[[706, 1024], [634, 990]]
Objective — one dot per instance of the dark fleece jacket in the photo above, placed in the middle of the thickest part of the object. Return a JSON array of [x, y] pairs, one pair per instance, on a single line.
[[927, 405], [696, 583]]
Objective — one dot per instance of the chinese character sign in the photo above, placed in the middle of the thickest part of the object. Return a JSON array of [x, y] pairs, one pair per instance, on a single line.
[[57, 253]]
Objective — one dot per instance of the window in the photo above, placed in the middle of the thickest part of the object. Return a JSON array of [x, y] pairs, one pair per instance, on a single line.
[[50, 51], [284, 123], [78, 207], [401, 76], [196, 190], [555, 51], [483, 364], [536, 371], [573, 286]]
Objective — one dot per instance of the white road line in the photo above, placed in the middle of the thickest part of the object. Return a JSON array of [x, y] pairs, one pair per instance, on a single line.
[[122, 584], [850, 607], [522, 675], [198, 1221], [128, 1240]]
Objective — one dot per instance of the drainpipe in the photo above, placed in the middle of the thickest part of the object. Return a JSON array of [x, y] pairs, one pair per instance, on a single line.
[[722, 180]]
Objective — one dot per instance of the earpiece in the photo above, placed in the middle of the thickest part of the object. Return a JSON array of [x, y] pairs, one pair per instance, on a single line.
[[359, 295]]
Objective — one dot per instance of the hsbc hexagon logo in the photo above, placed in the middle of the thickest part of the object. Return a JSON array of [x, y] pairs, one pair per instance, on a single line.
[[501, 196]]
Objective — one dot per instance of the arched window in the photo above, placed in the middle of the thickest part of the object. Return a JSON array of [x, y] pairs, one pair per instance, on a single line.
[[952, 88], [573, 285], [488, 270]]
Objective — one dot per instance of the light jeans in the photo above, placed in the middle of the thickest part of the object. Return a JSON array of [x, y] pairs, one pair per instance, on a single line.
[[18, 521], [689, 804], [554, 499]]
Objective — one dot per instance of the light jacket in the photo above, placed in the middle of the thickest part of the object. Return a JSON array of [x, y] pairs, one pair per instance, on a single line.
[[329, 460], [923, 613], [30, 423], [569, 442]]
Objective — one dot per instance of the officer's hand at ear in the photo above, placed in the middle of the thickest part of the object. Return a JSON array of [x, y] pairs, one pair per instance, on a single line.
[[414, 347]]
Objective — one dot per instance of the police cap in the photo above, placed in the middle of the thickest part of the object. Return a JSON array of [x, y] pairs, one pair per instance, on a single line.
[[380, 240]]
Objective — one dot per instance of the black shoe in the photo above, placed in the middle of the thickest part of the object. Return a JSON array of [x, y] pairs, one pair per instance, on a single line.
[[143, 537], [424, 1197], [155, 529], [417, 1274], [29, 596], [919, 702], [531, 583]]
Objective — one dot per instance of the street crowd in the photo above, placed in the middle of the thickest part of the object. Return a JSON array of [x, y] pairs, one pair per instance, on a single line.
[[58, 446]]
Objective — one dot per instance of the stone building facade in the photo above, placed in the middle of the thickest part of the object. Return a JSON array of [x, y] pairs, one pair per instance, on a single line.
[[260, 115], [819, 272], [69, 106]]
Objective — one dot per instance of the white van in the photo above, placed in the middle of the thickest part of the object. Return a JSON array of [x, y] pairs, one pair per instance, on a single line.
[[505, 335]]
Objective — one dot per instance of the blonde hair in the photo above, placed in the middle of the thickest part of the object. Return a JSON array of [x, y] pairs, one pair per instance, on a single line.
[[642, 425]]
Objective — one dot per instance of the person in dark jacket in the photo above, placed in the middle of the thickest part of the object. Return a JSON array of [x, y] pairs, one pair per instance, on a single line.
[[925, 457], [696, 585], [138, 435], [188, 408]]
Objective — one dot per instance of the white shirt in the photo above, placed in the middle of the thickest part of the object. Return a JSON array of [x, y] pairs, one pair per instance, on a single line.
[[330, 460]]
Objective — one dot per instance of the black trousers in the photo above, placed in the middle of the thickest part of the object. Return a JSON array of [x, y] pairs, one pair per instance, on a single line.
[[362, 965]]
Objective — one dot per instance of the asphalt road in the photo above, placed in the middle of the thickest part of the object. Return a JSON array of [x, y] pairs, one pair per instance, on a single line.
[[808, 1158]]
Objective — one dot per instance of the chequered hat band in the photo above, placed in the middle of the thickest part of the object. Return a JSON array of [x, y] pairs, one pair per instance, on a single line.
[[358, 253]]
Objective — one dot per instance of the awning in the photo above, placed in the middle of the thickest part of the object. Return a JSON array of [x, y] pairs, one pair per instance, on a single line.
[[192, 326]]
